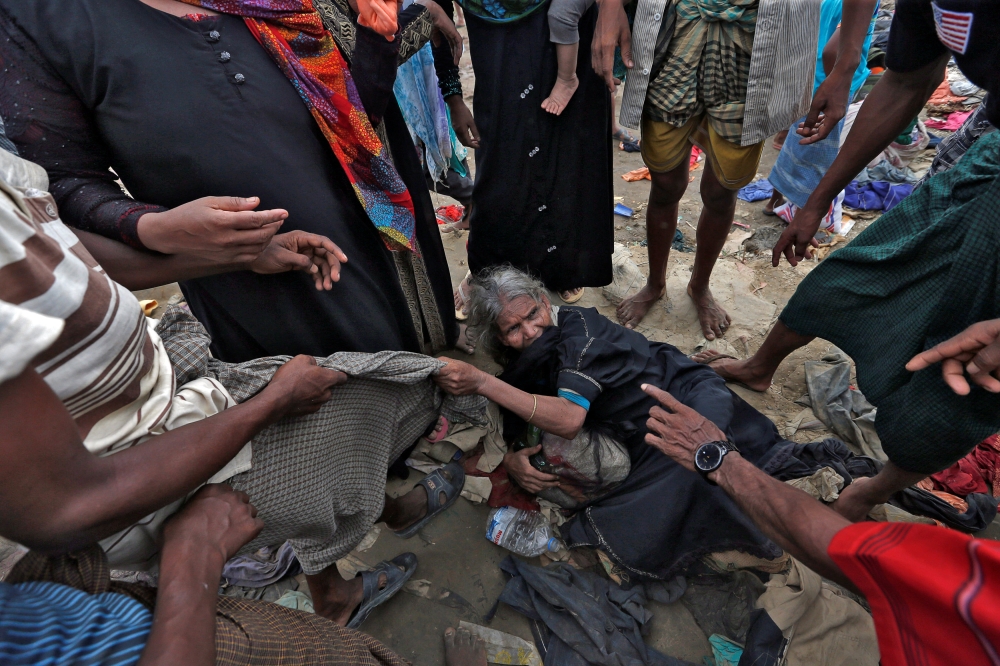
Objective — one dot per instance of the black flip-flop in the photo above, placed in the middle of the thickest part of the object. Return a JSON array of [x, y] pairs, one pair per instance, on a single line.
[[397, 571], [436, 483]]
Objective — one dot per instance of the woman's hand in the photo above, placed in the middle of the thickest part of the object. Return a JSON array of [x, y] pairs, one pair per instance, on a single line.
[[302, 387], [301, 251], [221, 230], [462, 122], [976, 350], [459, 378], [518, 466], [444, 26]]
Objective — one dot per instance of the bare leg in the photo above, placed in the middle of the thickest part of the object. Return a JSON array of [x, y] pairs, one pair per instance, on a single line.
[[661, 224], [861, 496], [779, 139], [461, 648], [776, 200], [566, 80], [335, 598], [757, 371], [718, 207], [461, 293]]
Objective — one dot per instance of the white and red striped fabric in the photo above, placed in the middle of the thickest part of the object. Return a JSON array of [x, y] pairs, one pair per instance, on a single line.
[[953, 28]]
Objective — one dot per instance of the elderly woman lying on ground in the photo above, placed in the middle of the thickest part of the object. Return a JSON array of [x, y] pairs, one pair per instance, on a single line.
[[569, 370]]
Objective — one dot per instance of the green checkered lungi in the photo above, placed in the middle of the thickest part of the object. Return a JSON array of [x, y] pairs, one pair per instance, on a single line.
[[922, 273]]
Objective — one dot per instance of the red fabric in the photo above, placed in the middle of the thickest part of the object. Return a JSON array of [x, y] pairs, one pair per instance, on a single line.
[[452, 213], [505, 492], [977, 472], [695, 155], [934, 592]]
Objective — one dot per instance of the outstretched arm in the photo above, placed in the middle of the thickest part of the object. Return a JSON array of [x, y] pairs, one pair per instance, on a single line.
[[791, 518], [294, 251], [59, 496], [829, 104], [558, 416], [892, 104]]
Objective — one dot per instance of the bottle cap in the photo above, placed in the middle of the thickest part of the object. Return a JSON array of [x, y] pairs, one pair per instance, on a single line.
[[552, 545]]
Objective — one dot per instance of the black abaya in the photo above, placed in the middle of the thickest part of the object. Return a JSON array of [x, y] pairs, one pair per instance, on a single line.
[[543, 197], [662, 517], [183, 109]]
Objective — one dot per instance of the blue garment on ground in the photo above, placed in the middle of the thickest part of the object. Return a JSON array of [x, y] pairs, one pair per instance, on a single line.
[[875, 194], [756, 191], [262, 568], [725, 651], [887, 172], [47, 623], [798, 169], [423, 107]]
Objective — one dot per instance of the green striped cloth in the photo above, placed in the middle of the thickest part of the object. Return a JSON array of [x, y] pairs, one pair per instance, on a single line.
[[922, 273], [707, 66]]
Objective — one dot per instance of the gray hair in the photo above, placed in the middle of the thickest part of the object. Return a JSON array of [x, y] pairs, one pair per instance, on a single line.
[[492, 289]]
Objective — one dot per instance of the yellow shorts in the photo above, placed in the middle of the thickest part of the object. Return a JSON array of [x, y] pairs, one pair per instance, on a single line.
[[665, 147]]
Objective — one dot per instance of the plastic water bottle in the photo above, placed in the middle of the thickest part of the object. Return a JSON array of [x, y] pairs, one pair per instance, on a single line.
[[526, 533]]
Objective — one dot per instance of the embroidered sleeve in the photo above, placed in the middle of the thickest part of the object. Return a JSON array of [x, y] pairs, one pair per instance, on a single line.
[[444, 63], [51, 127], [415, 32]]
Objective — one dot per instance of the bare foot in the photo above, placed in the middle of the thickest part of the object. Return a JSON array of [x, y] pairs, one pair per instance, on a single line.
[[571, 296], [734, 370], [854, 503], [406, 510], [776, 200], [714, 320], [465, 342], [632, 310], [562, 93], [400, 513], [461, 648], [440, 430], [333, 597], [462, 296]]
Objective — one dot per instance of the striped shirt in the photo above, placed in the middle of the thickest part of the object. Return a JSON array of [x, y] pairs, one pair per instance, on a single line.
[[47, 623], [779, 83], [101, 355]]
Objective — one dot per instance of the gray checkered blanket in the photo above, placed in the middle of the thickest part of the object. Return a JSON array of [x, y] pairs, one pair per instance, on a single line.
[[318, 480]]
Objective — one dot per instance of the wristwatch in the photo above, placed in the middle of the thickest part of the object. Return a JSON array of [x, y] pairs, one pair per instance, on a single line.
[[708, 457]]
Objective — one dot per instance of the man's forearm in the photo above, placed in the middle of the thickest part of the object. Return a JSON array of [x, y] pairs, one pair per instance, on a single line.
[[856, 18], [892, 104], [135, 269], [789, 517], [184, 620], [165, 468]]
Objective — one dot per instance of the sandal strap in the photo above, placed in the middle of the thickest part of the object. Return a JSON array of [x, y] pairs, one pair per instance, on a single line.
[[434, 483]]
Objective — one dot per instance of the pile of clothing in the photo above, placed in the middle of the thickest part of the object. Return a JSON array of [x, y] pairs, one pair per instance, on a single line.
[[976, 473]]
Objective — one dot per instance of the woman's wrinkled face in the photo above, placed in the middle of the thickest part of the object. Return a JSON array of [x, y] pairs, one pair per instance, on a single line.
[[523, 321]]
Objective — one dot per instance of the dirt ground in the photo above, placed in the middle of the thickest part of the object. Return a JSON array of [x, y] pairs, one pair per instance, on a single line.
[[460, 565]]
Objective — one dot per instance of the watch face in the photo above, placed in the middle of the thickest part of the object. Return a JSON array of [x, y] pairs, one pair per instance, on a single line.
[[708, 457]]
